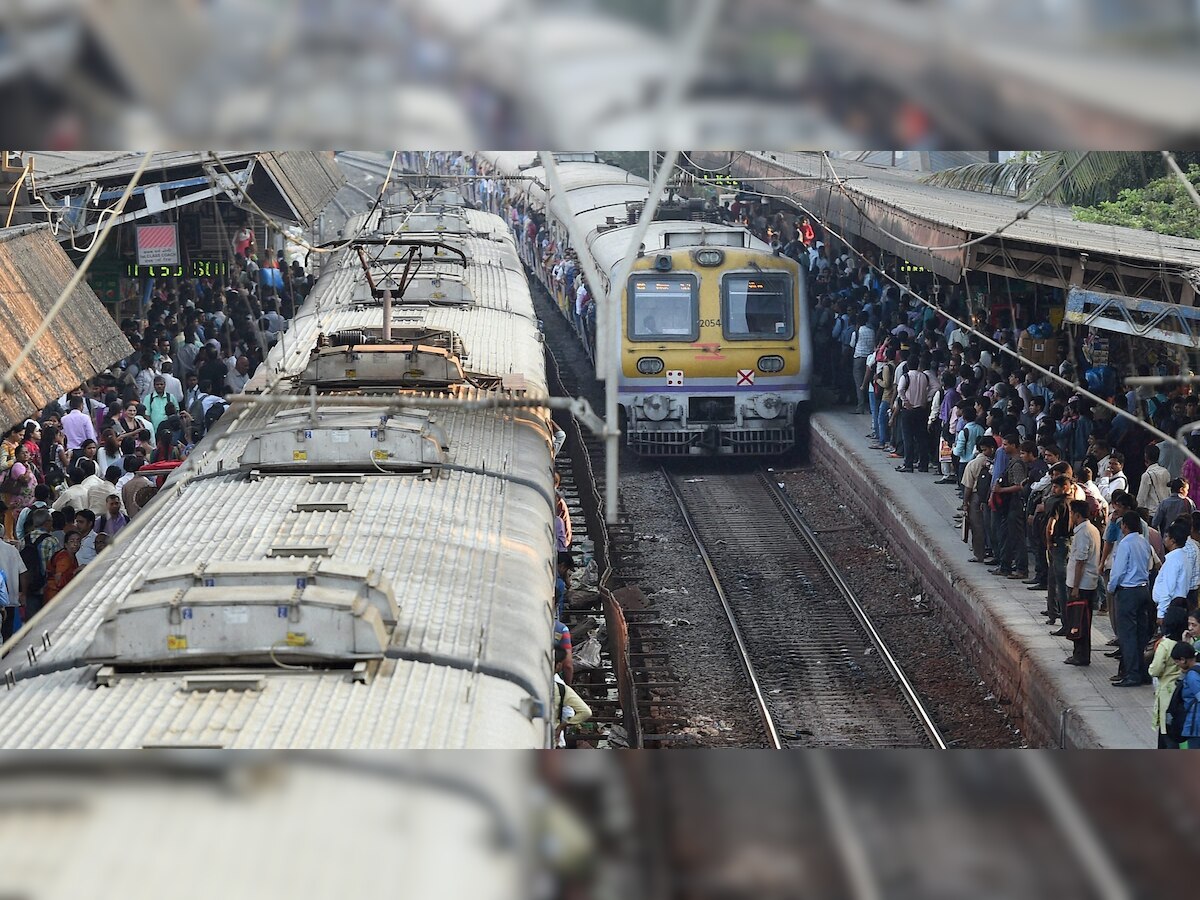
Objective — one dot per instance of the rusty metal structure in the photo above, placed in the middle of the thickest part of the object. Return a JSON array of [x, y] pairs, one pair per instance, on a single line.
[[84, 340]]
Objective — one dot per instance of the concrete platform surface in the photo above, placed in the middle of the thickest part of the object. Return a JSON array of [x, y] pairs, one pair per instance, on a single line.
[[1004, 632]]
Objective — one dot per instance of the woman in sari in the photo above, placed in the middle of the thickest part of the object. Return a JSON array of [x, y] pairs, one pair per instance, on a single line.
[[63, 567]]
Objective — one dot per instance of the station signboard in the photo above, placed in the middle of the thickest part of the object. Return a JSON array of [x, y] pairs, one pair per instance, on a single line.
[[157, 245]]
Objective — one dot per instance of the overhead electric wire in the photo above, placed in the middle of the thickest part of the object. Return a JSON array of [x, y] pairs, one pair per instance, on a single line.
[[1023, 214], [1078, 389], [299, 241]]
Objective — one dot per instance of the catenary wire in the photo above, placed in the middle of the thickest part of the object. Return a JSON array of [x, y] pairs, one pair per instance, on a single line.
[[301, 242], [1078, 389], [1023, 214]]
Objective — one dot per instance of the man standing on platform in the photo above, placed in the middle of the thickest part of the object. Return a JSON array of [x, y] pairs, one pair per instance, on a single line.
[[975, 494], [1129, 586], [1083, 574], [1058, 532]]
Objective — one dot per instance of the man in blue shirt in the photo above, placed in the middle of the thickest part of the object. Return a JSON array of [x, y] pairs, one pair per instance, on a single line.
[[1128, 584]]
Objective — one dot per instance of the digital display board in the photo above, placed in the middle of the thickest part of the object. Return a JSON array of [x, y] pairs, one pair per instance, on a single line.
[[199, 268]]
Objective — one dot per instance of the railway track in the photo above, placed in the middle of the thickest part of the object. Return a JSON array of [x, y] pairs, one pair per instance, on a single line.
[[819, 671]]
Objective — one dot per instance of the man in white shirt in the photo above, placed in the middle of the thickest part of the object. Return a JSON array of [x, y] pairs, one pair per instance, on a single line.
[[174, 388], [85, 524], [239, 375], [1175, 577], [1116, 480], [77, 425], [1155, 483], [1083, 575], [75, 496]]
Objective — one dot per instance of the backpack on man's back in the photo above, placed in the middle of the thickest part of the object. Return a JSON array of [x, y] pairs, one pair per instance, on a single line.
[[31, 554]]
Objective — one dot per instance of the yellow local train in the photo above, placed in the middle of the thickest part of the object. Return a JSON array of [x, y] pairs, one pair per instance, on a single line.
[[715, 349]]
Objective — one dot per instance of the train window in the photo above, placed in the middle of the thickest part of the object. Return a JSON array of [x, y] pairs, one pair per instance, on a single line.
[[663, 308], [758, 306]]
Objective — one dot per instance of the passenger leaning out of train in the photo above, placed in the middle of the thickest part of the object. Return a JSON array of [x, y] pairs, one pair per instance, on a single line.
[[569, 708]]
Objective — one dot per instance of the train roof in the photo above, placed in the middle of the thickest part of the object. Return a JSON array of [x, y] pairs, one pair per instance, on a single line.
[[424, 588], [227, 825]]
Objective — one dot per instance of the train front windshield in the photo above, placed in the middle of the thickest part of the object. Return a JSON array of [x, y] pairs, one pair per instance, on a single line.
[[663, 308], [757, 307]]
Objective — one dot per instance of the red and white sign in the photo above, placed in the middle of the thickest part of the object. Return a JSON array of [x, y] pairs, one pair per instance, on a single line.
[[674, 377], [745, 376], [157, 245]]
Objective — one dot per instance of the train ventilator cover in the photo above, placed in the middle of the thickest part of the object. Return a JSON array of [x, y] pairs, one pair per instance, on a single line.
[[382, 365], [348, 438], [239, 624], [428, 222]]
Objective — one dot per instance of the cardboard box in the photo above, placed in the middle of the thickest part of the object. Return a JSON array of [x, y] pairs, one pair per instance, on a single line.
[[1043, 351]]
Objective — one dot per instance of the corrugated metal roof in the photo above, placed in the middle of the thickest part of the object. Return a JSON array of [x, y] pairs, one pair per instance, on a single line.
[[309, 180], [63, 171], [977, 213], [306, 180], [83, 340], [412, 706], [500, 330]]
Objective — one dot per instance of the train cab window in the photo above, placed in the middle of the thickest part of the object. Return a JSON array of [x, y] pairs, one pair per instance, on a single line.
[[663, 308], [759, 306]]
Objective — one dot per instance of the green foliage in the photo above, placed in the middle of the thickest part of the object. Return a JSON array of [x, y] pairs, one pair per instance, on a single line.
[[1162, 206], [635, 161], [1100, 177]]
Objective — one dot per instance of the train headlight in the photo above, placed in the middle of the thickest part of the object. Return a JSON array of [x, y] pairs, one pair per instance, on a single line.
[[768, 406], [770, 364], [656, 407], [710, 258], [650, 365]]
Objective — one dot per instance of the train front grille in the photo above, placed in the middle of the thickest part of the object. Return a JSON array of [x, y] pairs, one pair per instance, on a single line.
[[711, 410]]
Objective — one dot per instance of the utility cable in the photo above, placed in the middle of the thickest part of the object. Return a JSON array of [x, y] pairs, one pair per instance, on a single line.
[[299, 241], [1021, 215], [1183, 179], [7, 381], [1025, 361]]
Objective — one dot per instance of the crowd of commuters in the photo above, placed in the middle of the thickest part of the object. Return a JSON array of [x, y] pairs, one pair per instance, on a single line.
[[1076, 502], [74, 473]]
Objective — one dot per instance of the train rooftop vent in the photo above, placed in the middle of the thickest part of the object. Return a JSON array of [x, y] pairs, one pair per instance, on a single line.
[[440, 221], [584, 156], [438, 289], [399, 249], [378, 365], [292, 571], [239, 624], [448, 196], [422, 289], [356, 439], [703, 237]]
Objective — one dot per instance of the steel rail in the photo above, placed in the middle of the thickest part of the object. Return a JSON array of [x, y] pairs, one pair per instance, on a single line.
[[806, 533], [760, 700]]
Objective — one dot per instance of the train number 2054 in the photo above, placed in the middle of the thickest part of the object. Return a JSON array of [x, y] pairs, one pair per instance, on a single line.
[[710, 323]]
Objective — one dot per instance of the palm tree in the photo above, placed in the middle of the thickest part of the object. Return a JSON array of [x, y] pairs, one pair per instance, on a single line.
[[1101, 175]]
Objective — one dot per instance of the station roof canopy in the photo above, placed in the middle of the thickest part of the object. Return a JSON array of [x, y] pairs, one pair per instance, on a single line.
[[892, 208], [83, 340], [293, 185]]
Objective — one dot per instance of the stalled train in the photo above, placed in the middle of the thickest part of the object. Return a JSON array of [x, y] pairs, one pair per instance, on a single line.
[[715, 352], [359, 556]]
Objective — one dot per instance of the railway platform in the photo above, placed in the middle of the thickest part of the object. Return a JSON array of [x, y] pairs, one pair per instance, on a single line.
[[1003, 631]]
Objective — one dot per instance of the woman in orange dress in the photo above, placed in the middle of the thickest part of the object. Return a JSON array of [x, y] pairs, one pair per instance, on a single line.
[[63, 567]]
